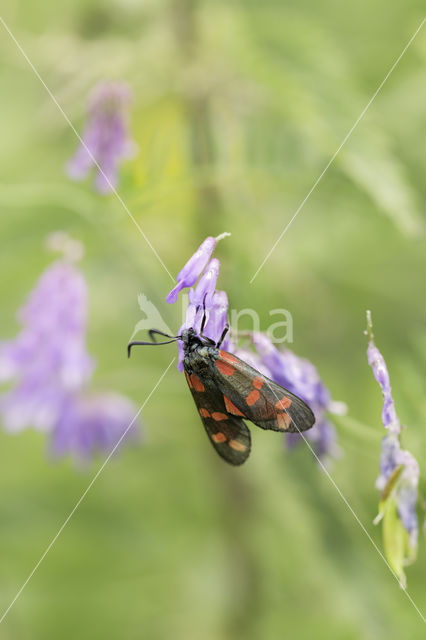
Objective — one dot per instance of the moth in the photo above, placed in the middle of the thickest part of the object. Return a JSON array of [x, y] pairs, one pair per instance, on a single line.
[[227, 391]]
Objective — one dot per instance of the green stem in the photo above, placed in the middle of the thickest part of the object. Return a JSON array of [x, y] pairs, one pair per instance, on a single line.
[[197, 106], [359, 429], [243, 580]]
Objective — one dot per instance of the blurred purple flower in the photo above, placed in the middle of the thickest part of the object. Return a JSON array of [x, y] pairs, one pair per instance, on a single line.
[[253, 359], [93, 422], [299, 376], [400, 489], [47, 365], [292, 372], [106, 139], [48, 359], [203, 296]]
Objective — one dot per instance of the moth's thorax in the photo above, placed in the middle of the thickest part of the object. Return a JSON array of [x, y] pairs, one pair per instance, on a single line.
[[198, 358]]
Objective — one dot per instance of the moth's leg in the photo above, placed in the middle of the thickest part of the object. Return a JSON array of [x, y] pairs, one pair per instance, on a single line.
[[203, 324], [204, 320], [222, 337]]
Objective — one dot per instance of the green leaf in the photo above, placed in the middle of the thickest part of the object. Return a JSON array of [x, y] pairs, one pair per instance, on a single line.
[[396, 540], [393, 541]]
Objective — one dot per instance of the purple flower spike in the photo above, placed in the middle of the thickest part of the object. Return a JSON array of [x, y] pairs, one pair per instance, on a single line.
[[48, 358], [106, 139], [399, 472], [93, 422], [204, 297], [48, 367], [190, 273]]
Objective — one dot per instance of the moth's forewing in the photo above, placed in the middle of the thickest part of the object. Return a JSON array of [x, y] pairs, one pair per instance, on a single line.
[[227, 433], [257, 398]]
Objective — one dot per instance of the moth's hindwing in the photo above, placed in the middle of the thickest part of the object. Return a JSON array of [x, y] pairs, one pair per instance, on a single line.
[[227, 433], [251, 395]]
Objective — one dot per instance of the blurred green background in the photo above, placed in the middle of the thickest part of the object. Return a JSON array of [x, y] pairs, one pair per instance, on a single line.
[[238, 107]]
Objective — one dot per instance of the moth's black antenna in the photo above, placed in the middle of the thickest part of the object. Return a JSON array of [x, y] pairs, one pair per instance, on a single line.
[[153, 344], [153, 332]]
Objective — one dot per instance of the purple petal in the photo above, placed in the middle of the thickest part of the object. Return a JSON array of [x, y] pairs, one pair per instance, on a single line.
[[174, 293], [192, 270], [405, 492], [203, 292], [217, 318], [380, 371]]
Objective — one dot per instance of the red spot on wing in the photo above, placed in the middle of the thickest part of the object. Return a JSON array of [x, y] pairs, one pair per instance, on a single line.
[[204, 413], [258, 382], [225, 363], [252, 397], [284, 403], [231, 408], [188, 379], [225, 368], [218, 437], [237, 446], [228, 357], [196, 383], [283, 420], [218, 416]]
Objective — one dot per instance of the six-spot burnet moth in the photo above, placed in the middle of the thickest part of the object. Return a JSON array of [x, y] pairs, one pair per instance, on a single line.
[[227, 390]]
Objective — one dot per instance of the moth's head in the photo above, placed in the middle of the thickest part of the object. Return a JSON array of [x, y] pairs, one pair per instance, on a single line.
[[192, 340], [189, 337]]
